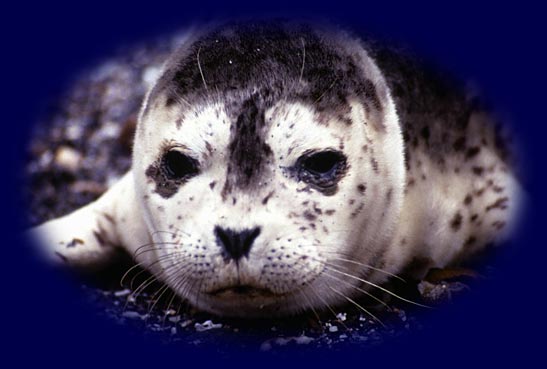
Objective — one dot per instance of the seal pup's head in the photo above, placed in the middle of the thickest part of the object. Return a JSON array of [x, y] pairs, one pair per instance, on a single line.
[[269, 168]]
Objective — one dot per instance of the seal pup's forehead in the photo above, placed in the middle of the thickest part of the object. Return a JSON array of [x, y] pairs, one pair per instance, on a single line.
[[269, 61]]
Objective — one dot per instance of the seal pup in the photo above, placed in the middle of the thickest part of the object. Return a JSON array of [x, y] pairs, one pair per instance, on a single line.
[[279, 167]]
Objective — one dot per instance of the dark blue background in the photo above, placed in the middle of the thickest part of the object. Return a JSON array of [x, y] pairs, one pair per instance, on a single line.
[[501, 46]]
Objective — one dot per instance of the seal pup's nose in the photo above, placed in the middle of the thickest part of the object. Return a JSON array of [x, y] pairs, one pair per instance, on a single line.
[[236, 244]]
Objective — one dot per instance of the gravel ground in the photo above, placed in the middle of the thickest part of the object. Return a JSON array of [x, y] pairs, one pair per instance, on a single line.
[[83, 145]]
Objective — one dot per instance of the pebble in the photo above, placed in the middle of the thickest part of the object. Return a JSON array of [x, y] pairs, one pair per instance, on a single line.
[[174, 319], [131, 315], [186, 323], [74, 131], [122, 293], [283, 341], [68, 158], [207, 325]]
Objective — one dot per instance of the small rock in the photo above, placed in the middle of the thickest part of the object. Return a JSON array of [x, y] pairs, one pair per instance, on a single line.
[[266, 346], [68, 158], [303, 340], [122, 293], [131, 315], [207, 325], [174, 319], [186, 323], [74, 130]]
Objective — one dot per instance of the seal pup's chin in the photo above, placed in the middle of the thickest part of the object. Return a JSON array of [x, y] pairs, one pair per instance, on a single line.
[[242, 291]]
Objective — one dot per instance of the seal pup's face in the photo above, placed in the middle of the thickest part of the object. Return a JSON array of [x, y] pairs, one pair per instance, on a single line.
[[270, 169]]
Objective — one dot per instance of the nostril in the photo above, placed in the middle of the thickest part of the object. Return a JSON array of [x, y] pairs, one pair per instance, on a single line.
[[236, 244]]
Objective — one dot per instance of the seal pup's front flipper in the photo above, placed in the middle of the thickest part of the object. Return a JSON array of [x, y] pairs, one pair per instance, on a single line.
[[89, 237]]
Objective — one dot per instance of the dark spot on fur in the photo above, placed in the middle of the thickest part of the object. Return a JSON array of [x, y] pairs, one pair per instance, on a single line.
[[317, 210], [74, 242], [330, 211], [456, 222], [212, 185], [362, 188], [61, 256], [472, 152], [470, 241], [374, 164], [389, 195], [480, 192], [99, 237], [477, 170], [309, 215], [109, 218], [267, 197], [208, 147], [357, 210], [500, 203], [498, 225], [497, 189], [468, 199], [248, 153]]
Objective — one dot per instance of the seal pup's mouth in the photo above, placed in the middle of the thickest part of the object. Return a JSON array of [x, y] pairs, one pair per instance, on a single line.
[[242, 290]]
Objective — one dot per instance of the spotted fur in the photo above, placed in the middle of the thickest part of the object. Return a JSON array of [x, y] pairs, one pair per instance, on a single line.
[[422, 178]]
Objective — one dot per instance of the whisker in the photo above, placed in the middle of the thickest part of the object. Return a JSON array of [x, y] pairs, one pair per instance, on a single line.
[[327, 305], [359, 306], [201, 71], [370, 267], [376, 286], [360, 290], [303, 60], [327, 90], [148, 267]]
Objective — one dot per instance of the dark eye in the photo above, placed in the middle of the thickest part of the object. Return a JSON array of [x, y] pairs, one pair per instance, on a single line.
[[322, 163], [177, 165]]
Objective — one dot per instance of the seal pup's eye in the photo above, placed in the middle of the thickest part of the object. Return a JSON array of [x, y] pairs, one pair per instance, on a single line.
[[177, 165], [322, 163], [322, 170]]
